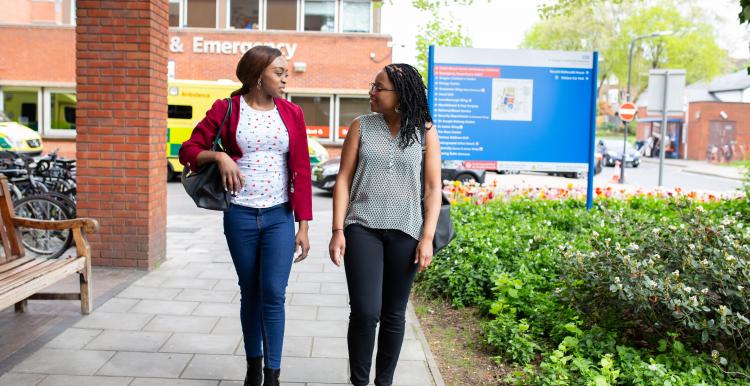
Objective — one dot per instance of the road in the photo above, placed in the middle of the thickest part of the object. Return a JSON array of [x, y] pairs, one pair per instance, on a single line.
[[647, 176]]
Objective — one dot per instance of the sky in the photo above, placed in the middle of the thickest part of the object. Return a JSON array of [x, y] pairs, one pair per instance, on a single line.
[[503, 23]]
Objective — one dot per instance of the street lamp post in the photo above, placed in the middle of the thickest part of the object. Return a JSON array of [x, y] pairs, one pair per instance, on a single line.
[[627, 95]]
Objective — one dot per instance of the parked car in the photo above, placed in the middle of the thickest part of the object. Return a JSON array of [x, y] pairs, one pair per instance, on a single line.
[[611, 149], [18, 138], [324, 174]]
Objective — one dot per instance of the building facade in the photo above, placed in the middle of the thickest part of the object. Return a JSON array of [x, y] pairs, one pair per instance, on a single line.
[[716, 123], [334, 48]]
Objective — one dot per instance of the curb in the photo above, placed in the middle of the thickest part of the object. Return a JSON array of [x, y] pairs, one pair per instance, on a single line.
[[712, 174], [431, 363], [669, 162]]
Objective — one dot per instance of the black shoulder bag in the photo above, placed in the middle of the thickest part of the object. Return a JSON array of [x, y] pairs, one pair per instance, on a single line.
[[444, 231], [205, 186]]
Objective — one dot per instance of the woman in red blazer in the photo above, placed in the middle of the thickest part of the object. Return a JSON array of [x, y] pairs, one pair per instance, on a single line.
[[267, 169]]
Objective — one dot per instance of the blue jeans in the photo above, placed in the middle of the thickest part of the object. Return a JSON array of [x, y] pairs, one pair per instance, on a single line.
[[261, 242]]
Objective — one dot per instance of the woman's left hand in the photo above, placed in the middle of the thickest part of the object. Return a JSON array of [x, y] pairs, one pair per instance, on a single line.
[[423, 255], [301, 243]]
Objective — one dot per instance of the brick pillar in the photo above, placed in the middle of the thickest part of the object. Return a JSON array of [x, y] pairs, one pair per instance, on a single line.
[[121, 77]]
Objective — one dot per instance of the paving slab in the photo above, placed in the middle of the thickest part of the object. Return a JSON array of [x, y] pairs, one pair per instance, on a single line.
[[73, 338], [202, 344], [114, 321], [64, 362], [128, 341], [143, 364], [176, 323]]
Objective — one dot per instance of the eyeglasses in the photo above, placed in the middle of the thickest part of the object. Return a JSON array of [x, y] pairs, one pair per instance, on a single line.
[[375, 88]]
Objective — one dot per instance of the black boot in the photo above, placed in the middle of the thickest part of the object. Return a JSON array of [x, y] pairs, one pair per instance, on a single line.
[[254, 375], [271, 377]]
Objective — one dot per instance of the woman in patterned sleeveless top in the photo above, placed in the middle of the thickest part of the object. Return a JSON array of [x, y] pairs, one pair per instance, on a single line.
[[379, 228]]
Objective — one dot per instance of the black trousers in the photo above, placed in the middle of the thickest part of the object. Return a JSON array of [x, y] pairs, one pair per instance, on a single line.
[[380, 270]]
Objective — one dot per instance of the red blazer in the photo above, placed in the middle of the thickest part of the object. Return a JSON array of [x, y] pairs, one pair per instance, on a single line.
[[300, 182]]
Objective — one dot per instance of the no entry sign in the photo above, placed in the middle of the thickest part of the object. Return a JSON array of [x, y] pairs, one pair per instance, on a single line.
[[628, 111]]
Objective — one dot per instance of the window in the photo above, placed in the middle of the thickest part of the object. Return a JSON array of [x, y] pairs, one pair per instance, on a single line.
[[62, 111], [69, 12], [174, 13], [245, 14], [21, 105], [350, 108], [317, 111], [281, 15], [201, 13], [320, 15], [180, 111], [356, 16]]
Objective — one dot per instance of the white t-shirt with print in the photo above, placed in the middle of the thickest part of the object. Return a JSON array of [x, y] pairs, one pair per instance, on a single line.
[[264, 141]]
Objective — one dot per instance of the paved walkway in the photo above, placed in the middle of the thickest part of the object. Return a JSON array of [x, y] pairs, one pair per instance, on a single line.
[[179, 325]]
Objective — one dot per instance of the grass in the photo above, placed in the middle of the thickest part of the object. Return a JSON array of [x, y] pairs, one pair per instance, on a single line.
[[740, 164]]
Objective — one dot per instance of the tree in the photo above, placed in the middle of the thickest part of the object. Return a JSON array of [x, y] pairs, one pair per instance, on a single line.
[[566, 7], [440, 30], [586, 28], [744, 17], [609, 27]]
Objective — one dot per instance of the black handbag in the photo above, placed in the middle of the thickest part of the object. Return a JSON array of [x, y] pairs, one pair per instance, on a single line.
[[444, 231], [205, 186]]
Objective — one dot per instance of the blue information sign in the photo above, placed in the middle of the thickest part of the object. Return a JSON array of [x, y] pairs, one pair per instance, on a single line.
[[515, 109]]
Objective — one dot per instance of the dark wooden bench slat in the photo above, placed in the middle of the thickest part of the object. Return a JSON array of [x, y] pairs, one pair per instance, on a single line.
[[56, 296]]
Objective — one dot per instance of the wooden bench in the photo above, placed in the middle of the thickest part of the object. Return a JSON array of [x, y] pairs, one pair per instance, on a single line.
[[21, 277]]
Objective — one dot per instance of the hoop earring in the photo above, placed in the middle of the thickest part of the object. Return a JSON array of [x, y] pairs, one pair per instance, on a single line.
[[397, 110], [259, 82]]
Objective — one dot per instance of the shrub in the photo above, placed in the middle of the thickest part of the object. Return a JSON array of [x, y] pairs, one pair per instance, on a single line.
[[688, 275]]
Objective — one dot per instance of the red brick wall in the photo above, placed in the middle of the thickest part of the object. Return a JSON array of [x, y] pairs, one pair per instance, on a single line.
[[121, 61], [699, 119], [334, 61], [37, 54], [700, 116]]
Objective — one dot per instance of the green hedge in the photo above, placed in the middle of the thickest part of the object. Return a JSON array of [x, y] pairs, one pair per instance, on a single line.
[[600, 297]]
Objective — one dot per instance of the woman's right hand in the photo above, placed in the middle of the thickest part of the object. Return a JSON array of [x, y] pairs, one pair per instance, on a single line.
[[231, 175], [337, 246]]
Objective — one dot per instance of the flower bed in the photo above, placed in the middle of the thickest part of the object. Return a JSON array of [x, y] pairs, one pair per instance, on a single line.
[[648, 287]]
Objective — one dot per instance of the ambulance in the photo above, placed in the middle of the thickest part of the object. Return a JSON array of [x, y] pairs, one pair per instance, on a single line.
[[18, 138], [188, 102]]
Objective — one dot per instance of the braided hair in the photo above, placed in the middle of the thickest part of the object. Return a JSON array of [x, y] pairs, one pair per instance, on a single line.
[[412, 101]]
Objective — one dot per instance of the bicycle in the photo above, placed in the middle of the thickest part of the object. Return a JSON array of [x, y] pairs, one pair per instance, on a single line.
[[51, 206]]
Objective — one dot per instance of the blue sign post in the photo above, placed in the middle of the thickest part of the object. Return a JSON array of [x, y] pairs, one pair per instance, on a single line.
[[515, 109]]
